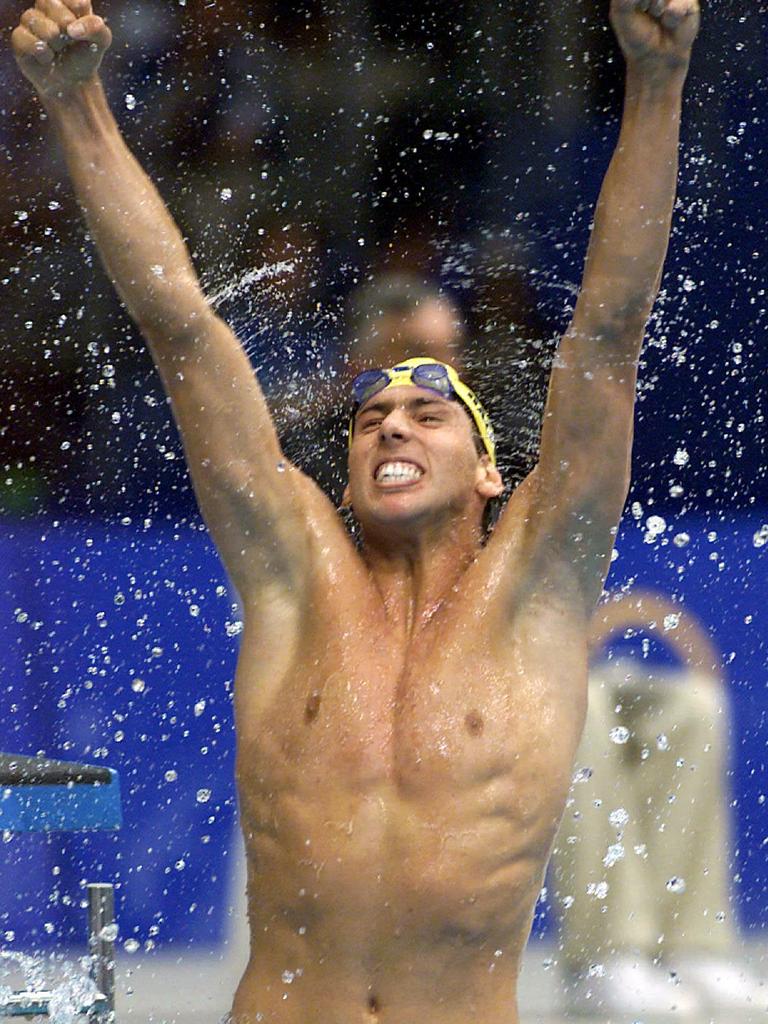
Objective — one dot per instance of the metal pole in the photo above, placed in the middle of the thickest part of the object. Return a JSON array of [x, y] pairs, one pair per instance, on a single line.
[[101, 945]]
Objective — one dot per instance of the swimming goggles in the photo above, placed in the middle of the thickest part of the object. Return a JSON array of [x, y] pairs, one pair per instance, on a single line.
[[423, 373]]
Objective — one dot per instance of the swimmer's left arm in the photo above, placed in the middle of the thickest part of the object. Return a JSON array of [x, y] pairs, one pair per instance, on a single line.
[[582, 478]]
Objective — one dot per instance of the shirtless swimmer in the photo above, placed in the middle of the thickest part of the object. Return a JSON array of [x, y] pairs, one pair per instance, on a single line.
[[406, 716]]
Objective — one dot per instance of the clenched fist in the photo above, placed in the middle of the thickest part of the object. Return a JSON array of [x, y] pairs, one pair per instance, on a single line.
[[657, 34], [59, 44]]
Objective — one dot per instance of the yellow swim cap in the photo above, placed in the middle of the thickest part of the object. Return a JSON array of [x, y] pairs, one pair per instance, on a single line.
[[422, 372]]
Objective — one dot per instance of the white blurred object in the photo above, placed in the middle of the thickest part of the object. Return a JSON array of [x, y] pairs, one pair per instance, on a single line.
[[723, 984], [630, 987]]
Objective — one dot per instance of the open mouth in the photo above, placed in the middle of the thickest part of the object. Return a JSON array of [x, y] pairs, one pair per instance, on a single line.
[[397, 474]]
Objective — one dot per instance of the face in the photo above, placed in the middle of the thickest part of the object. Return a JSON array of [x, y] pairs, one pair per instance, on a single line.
[[413, 460]]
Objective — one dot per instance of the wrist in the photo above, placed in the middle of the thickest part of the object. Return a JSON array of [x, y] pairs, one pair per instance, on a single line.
[[82, 108], [656, 81], [65, 98]]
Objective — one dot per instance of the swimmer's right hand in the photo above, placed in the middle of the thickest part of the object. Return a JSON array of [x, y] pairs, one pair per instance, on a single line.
[[59, 45]]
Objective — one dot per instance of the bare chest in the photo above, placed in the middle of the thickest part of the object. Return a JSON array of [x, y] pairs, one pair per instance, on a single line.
[[451, 710]]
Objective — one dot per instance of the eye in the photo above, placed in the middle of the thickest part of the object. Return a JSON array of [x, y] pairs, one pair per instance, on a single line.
[[430, 417], [372, 423]]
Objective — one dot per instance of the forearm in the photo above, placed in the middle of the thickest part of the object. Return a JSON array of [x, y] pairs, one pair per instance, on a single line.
[[634, 212], [140, 245]]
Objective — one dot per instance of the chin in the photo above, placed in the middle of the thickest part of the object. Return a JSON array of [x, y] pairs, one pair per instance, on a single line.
[[405, 512]]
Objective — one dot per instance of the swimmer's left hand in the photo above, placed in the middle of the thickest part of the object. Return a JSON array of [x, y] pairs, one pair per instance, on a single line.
[[656, 35]]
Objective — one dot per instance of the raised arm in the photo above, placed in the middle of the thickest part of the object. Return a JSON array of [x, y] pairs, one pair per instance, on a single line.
[[250, 500], [580, 484]]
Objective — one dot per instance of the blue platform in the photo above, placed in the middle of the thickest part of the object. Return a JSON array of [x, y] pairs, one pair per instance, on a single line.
[[50, 796]]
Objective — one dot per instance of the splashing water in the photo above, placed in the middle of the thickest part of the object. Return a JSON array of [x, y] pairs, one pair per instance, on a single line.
[[71, 987], [251, 277]]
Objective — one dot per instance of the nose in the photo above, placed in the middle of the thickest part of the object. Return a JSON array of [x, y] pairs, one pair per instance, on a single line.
[[395, 426]]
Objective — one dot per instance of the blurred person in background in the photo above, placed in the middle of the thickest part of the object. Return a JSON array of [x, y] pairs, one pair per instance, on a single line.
[[642, 858], [399, 787], [392, 316]]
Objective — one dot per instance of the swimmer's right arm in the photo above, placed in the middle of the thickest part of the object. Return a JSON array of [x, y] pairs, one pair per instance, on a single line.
[[249, 498]]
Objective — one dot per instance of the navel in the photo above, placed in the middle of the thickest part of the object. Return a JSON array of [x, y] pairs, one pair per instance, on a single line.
[[373, 1004], [312, 707], [474, 723]]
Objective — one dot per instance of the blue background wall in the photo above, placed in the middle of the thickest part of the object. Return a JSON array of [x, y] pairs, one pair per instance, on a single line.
[[88, 610]]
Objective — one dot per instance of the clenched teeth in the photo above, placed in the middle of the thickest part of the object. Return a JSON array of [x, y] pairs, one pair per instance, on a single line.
[[397, 471]]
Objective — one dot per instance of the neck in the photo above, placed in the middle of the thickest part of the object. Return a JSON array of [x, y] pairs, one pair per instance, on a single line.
[[416, 571]]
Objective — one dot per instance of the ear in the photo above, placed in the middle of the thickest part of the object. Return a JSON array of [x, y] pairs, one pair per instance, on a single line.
[[488, 479]]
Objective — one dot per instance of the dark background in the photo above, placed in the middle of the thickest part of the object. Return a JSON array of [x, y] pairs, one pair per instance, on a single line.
[[466, 141]]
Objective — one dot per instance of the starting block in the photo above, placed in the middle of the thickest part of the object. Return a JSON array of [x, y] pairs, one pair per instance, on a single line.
[[39, 795], [42, 795]]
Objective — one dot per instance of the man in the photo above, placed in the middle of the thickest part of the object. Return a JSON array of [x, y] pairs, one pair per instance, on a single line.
[[407, 716]]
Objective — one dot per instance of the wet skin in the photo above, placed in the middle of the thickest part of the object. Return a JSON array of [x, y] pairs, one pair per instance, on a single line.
[[403, 755]]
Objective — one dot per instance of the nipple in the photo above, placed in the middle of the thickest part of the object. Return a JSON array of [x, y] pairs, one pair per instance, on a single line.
[[474, 723], [312, 707]]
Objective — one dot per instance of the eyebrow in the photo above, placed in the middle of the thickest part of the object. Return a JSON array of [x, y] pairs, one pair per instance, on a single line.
[[417, 402]]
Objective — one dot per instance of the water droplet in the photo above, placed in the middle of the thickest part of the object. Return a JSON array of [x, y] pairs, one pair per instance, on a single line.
[[287, 977], [131, 946], [681, 540], [681, 457], [618, 818], [598, 890], [760, 538], [671, 621], [138, 685], [613, 854], [676, 885], [108, 933], [619, 734], [655, 525], [171, 775], [130, 101], [582, 775], [662, 741], [203, 796], [199, 708], [226, 194]]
